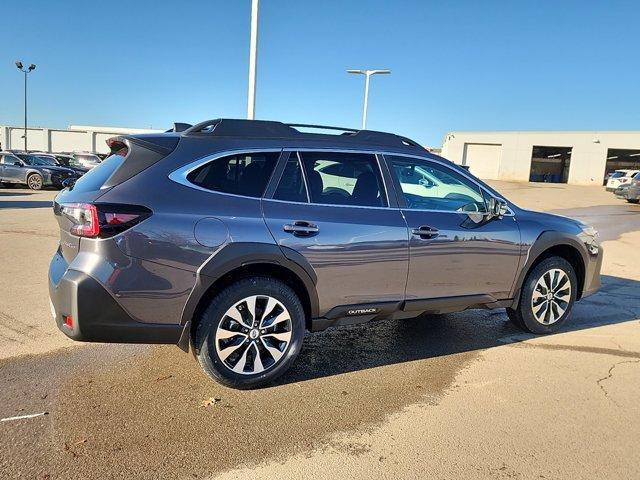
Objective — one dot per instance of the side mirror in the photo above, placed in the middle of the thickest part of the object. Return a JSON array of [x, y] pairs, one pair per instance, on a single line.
[[426, 183], [497, 207]]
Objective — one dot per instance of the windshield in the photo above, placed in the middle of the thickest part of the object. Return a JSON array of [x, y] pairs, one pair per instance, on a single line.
[[33, 160]]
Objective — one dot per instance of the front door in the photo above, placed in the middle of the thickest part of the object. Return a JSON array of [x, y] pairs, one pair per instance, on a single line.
[[356, 244], [454, 250], [10, 172]]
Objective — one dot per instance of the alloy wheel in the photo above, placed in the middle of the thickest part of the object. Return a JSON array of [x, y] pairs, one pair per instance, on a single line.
[[551, 296], [35, 182], [253, 335]]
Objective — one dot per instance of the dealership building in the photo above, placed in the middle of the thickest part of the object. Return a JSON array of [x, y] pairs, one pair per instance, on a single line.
[[580, 158], [76, 138]]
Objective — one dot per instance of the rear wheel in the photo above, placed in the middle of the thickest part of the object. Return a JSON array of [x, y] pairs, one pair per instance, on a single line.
[[251, 333], [34, 181], [547, 297]]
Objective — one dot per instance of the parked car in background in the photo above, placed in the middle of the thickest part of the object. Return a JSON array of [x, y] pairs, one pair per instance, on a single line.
[[64, 161], [620, 177], [247, 247], [88, 160], [630, 191], [36, 172]]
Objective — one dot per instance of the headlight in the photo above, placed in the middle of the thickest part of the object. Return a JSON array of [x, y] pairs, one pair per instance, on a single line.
[[590, 238], [590, 231]]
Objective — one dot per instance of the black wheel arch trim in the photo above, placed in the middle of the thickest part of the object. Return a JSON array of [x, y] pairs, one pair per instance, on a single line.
[[240, 254], [545, 241]]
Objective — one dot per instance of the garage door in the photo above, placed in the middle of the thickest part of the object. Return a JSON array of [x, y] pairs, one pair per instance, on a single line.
[[483, 159]]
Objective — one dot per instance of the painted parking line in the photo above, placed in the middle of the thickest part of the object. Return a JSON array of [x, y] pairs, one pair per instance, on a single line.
[[23, 417]]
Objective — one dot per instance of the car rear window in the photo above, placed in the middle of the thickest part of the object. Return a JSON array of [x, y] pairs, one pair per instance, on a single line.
[[95, 178], [244, 174]]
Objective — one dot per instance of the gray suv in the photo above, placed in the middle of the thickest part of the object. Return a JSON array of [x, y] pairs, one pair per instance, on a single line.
[[233, 237]]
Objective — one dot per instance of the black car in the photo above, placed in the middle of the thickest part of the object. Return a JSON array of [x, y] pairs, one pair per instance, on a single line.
[[69, 162], [34, 171]]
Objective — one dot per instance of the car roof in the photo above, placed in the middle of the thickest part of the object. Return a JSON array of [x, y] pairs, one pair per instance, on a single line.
[[263, 129]]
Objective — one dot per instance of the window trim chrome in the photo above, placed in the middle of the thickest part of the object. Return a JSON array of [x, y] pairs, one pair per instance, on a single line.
[[180, 175]]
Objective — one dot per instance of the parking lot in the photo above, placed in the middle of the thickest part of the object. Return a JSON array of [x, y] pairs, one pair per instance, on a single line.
[[446, 396]]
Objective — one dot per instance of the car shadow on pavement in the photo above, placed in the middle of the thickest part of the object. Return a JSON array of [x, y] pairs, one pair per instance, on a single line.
[[26, 204], [347, 349], [14, 194]]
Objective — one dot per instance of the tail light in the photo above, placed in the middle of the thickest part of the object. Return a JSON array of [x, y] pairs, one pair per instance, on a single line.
[[102, 220]]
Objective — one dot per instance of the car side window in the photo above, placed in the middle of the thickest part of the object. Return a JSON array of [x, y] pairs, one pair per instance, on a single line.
[[10, 159], [243, 174], [339, 178], [291, 187], [428, 185]]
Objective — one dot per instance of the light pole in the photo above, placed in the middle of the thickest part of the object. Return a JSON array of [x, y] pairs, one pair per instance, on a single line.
[[367, 74], [253, 60], [25, 71]]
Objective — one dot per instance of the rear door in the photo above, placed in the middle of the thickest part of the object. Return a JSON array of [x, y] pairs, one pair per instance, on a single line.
[[348, 232], [455, 250]]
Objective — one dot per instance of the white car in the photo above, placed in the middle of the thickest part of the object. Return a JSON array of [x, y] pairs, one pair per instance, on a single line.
[[619, 178]]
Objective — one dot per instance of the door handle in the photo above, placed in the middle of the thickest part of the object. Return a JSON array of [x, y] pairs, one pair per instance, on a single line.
[[301, 228], [425, 232]]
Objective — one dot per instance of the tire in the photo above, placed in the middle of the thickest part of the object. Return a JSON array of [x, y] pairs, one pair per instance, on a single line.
[[633, 200], [35, 181], [541, 315], [226, 326]]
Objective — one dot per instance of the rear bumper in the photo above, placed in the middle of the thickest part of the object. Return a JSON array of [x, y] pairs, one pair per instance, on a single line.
[[97, 316]]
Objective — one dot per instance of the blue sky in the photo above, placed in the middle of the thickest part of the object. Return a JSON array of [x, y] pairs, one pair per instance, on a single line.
[[463, 65]]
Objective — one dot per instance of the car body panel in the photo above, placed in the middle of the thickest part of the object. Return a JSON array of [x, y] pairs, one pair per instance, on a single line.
[[353, 246], [466, 258]]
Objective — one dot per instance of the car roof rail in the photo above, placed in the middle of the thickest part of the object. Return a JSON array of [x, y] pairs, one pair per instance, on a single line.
[[227, 127]]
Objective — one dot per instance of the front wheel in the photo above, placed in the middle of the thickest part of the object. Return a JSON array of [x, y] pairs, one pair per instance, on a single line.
[[250, 333], [547, 297], [34, 181]]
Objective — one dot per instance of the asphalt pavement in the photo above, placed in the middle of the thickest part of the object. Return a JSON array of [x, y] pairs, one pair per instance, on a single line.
[[444, 396]]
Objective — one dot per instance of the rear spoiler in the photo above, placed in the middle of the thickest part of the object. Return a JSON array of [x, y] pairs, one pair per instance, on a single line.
[[140, 152], [179, 127]]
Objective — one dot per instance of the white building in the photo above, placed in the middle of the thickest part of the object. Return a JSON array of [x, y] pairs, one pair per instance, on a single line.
[[77, 138], [581, 158]]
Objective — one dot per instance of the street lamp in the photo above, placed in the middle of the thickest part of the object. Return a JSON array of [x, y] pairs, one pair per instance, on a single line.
[[27, 70], [253, 60], [367, 74]]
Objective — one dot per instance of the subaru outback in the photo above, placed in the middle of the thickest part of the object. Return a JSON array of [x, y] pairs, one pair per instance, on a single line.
[[231, 238]]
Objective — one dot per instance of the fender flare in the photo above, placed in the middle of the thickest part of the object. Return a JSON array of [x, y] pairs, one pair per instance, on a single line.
[[240, 254], [545, 241]]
